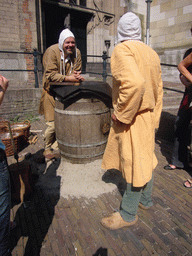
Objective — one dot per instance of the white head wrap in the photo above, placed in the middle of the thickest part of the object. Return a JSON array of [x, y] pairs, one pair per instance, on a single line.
[[129, 27], [62, 37]]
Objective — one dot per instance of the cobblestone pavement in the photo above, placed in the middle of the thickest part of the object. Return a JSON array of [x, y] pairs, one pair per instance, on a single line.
[[50, 225]]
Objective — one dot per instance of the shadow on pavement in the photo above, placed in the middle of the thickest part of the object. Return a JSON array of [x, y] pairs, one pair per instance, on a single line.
[[101, 252], [165, 134], [34, 217], [114, 176]]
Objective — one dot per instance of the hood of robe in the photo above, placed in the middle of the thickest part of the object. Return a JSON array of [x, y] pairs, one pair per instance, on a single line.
[[129, 27], [62, 37]]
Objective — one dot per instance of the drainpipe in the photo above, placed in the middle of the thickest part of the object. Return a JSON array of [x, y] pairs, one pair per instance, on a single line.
[[148, 21], [38, 25], [35, 54], [104, 57]]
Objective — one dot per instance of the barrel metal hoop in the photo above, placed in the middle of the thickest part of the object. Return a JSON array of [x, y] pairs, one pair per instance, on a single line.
[[77, 113], [80, 156], [82, 146]]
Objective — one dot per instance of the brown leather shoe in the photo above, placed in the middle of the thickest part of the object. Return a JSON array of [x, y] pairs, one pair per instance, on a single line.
[[144, 207], [115, 221]]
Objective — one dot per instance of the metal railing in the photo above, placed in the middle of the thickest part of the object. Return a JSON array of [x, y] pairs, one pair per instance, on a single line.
[[104, 72], [36, 70], [35, 54]]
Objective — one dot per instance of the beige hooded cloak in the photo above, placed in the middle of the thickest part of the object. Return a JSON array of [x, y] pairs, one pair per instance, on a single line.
[[137, 102]]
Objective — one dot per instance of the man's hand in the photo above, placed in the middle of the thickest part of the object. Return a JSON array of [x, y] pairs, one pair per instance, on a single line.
[[75, 77], [3, 87], [3, 83], [115, 120]]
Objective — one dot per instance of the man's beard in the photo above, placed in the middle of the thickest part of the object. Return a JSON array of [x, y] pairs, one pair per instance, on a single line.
[[70, 52]]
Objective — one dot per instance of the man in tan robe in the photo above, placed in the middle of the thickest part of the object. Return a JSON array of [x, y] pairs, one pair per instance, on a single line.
[[137, 102], [61, 62]]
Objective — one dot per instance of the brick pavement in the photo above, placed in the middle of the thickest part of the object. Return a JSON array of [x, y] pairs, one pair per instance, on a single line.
[[50, 225]]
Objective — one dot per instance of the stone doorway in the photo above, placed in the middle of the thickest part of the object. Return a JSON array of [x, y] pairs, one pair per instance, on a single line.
[[55, 18]]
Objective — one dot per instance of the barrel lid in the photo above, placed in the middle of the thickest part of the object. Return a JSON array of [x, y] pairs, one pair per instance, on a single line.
[[66, 92]]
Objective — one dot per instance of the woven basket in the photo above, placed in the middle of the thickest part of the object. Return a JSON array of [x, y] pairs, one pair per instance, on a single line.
[[22, 128], [6, 139]]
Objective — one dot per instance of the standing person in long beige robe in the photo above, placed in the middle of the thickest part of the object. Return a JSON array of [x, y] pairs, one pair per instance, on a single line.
[[137, 102], [62, 63]]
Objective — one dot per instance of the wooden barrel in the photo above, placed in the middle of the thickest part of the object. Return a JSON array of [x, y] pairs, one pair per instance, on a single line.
[[82, 129]]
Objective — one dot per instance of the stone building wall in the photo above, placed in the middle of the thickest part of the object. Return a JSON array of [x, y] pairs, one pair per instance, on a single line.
[[170, 36], [171, 21], [18, 37], [100, 29], [20, 103]]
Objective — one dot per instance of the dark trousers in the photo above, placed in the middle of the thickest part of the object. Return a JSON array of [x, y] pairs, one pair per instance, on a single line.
[[182, 138], [5, 204]]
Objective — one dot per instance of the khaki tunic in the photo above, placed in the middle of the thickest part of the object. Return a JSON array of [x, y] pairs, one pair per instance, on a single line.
[[137, 101], [52, 63]]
